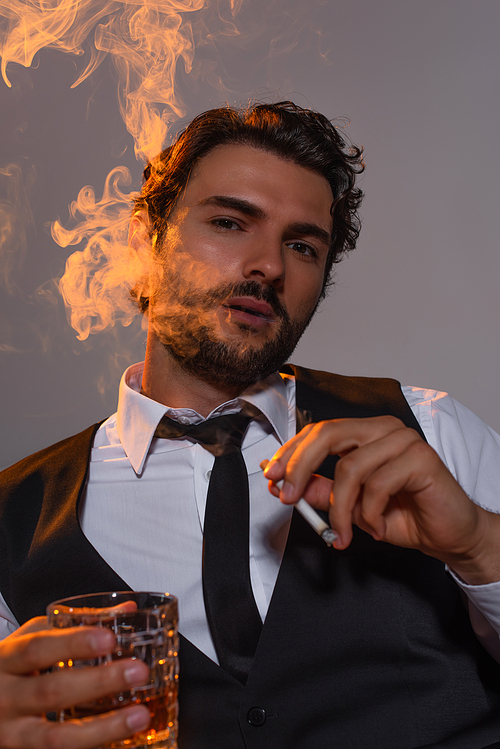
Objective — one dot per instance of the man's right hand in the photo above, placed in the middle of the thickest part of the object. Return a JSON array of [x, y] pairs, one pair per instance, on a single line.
[[26, 693]]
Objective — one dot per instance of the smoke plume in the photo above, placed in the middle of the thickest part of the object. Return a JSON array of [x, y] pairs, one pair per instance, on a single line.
[[145, 41], [150, 44]]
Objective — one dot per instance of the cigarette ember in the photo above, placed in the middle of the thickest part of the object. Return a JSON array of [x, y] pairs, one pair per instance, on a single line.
[[310, 515]]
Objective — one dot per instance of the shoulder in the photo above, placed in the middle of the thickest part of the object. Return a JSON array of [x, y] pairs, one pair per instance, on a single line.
[[59, 463], [468, 447], [446, 421]]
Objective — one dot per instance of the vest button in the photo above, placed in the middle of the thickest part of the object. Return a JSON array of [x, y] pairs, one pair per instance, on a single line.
[[256, 716]]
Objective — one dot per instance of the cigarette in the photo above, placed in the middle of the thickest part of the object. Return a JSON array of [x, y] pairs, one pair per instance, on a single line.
[[310, 515]]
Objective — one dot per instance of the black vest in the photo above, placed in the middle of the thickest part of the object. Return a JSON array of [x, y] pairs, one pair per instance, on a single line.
[[367, 648]]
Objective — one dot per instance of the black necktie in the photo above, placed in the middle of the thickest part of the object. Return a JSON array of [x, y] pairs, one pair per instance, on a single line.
[[232, 613]]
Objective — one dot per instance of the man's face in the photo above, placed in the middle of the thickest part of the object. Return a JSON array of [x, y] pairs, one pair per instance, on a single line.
[[241, 267]]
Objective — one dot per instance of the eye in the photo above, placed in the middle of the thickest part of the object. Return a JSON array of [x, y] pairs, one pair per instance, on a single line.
[[226, 224], [302, 248]]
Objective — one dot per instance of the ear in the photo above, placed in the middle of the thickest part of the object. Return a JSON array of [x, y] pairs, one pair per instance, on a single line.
[[139, 238]]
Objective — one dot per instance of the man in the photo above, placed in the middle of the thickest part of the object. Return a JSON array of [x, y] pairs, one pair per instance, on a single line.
[[365, 644]]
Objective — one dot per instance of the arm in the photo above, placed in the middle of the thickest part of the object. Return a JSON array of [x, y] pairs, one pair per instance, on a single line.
[[471, 450], [26, 693]]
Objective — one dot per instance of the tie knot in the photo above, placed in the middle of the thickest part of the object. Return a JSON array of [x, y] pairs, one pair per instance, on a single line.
[[218, 435]]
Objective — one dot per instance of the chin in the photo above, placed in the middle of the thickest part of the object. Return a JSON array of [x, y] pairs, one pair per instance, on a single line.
[[228, 365]]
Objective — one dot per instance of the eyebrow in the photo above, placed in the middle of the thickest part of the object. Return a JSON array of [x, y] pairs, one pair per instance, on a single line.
[[311, 230], [237, 204], [305, 229]]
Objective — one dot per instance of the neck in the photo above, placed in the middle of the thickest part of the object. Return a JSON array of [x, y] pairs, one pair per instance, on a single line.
[[165, 381]]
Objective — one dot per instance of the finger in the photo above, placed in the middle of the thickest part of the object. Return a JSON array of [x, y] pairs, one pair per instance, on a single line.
[[60, 690], [274, 469], [413, 502], [327, 438], [317, 492], [37, 624], [377, 499], [352, 474], [343, 434], [90, 615], [37, 733], [38, 651], [357, 519]]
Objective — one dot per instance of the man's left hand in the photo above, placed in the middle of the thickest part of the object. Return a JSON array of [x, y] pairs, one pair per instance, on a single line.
[[394, 486]]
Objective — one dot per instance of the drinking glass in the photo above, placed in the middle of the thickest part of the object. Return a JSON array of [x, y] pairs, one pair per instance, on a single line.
[[145, 626]]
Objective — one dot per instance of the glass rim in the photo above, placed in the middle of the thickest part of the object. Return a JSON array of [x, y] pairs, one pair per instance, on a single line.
[[122, 595]]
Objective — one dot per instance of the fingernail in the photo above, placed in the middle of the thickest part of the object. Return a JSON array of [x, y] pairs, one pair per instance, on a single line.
[[287, 491], [101, 640], [339, 542], [270, 469], [137, 720], [134, 674]]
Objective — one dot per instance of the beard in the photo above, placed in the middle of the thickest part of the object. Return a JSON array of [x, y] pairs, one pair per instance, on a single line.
[[236, 361]]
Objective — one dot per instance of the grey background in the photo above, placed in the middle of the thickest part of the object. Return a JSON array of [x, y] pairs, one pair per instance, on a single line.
[[417, 300]]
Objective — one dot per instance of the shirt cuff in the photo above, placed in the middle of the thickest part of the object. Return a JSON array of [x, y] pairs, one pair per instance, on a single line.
[[486, 598]]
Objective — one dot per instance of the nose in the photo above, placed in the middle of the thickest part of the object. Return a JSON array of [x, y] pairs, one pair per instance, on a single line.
[[265, 262]]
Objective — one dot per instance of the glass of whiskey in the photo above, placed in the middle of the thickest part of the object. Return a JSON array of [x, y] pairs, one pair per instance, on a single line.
[[145, 627]]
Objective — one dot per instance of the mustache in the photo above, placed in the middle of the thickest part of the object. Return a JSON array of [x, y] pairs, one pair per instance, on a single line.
[[246, 288]]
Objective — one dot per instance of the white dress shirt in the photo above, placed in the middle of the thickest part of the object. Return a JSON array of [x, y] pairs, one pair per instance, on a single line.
[[144, 503]]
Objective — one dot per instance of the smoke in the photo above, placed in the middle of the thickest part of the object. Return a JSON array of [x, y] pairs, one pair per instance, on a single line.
[[145, 42], [94, 285], [151, 45]]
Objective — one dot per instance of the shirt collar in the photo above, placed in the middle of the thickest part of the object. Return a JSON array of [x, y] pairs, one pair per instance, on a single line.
[[138, 416]]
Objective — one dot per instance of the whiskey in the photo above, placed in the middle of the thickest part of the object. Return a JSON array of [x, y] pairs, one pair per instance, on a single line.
[[162, 730]]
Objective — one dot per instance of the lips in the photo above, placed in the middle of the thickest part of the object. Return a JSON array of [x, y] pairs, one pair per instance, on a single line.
[[250, 310]]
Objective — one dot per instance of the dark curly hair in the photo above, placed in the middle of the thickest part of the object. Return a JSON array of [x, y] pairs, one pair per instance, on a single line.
[[295, 134]]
